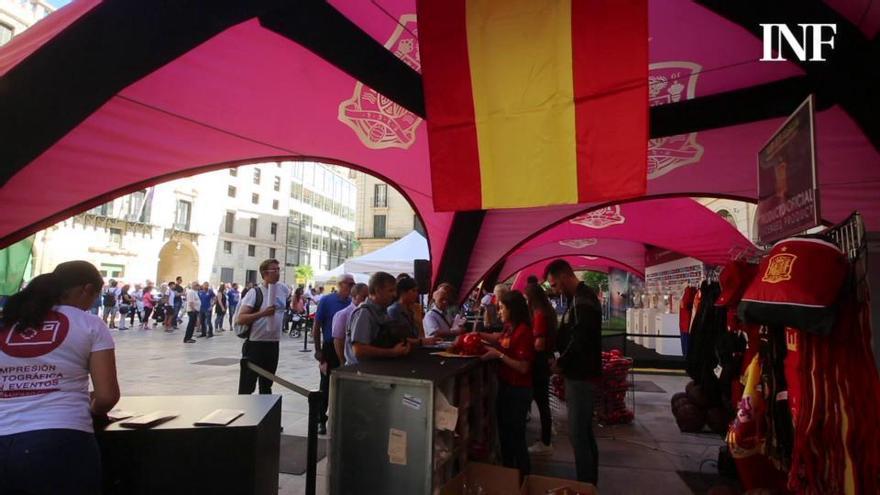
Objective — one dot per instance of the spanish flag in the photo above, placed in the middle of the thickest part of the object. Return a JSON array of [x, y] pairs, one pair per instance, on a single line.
[[535, 102]]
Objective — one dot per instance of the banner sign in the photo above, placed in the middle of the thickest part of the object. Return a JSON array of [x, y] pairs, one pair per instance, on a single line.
[[788, 194]]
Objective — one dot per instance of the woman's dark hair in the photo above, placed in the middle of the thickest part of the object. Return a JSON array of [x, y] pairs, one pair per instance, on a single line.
[[538, 301], [28, 308], [405, 284], [517, 308], [298, 293]]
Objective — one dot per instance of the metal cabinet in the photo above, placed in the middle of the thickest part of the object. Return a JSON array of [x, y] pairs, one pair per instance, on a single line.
[[383, 422]]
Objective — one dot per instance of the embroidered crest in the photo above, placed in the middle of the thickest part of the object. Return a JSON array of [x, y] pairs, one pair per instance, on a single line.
[[671, 82], [779, 268], [578, 243], [378, 121], [601, 218]]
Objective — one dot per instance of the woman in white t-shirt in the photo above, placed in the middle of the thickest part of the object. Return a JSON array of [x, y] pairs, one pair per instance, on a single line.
[[49, 347]]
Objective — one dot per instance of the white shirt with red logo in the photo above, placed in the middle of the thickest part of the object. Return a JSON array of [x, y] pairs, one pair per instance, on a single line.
[[44, 372]]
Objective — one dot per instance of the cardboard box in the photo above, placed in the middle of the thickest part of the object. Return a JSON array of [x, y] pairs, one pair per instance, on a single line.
[[494, 480], [540, 485]]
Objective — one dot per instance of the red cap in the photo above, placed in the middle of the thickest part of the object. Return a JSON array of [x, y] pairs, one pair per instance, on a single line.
[[734, 279]]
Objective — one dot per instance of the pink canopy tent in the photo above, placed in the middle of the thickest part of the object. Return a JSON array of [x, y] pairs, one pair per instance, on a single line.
[[622, 233], [109, 97], [591, 263]]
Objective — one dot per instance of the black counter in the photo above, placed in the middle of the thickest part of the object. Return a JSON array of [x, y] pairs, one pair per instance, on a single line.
[[418, 364], [178, 457]]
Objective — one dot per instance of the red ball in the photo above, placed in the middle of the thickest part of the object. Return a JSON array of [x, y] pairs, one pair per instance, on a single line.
[[472, 345]]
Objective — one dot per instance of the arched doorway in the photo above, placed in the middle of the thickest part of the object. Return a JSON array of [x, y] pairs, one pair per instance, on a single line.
[[178, 257]]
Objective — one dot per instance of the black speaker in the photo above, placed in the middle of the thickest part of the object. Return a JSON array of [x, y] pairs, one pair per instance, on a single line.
[[422, 272]]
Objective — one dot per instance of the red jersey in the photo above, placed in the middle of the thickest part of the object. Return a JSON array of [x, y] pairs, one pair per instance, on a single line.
[[517, 344]]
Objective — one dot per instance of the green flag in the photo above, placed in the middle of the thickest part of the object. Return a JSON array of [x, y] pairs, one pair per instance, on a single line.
[[13, 263]]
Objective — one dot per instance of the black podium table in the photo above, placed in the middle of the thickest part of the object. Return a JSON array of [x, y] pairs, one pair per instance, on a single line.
[[177, 457]]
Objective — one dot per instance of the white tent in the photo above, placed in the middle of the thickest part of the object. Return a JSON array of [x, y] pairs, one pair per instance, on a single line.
[[332, 276], [394, 258]]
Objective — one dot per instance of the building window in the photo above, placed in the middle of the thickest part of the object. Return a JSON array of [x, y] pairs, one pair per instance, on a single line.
[[272, 253], [230, 222], [6, 33], [277, 184], [256, 176], [230, 191], [112, 271], [138, 207], [296, 190], [255, 198], [417, 225], [250, 276], [227, 275], [274, 204], [380, 196], [252, 250], [233, 172], [253, 230], [227, 247], [727, 216], [379, 226], [183, 214], [116, 237], [273, 229]]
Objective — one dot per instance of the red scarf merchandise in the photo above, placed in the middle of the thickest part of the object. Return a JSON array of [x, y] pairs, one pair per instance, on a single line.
[[837, 441]]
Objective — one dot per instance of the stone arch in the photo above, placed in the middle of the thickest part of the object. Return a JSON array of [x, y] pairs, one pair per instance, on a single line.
[[178, 257]]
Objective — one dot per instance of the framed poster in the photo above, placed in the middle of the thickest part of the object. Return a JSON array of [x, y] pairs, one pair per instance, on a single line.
[[788, 194]]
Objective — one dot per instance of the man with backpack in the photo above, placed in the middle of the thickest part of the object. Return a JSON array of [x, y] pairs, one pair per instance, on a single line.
[[109, 300], [262, 309], [369, 333]]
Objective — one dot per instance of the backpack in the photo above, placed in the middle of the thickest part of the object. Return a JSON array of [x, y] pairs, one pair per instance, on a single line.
[[109, 298], [391, 332], [244, 331]]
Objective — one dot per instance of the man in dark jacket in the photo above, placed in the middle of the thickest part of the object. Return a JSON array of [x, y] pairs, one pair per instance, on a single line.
[[579, 342]]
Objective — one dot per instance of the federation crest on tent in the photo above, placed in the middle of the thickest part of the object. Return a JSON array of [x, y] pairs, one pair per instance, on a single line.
[[601, 218], [671, 82], [378, 121], [579, 243]]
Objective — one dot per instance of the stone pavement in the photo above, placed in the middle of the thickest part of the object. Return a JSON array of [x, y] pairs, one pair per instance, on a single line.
[[639, 458]]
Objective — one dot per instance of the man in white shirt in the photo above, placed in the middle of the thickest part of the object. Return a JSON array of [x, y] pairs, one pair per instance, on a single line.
[[265, 319], [436, 322], [193, 306]]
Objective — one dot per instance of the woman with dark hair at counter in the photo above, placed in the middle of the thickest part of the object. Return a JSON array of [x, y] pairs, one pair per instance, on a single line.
[[516, 351], [50, 345]]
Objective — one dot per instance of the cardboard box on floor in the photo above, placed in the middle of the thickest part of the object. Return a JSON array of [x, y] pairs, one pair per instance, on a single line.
[[494, 480], [540, 485]]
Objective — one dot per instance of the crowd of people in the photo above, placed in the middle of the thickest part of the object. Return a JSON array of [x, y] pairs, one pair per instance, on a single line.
[[385, 318], [207, 308]]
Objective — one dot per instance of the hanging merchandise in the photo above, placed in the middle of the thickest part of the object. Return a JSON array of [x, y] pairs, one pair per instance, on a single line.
[[797, 285], [686, 307], [819, 383], [709, 325], [837, 442]]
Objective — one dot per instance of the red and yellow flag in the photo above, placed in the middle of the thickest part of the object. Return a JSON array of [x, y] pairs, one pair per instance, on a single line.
[[535, 102]]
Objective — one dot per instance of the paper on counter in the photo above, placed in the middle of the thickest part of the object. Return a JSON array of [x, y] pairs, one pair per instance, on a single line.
[[117, 414], [397, 446], [445, 414]]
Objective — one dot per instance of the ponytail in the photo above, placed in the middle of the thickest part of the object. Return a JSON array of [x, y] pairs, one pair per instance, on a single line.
[[29, 307]]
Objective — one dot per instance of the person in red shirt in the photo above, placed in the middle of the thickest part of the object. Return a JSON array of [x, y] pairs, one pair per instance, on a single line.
[[516, 351], [544, 330]]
